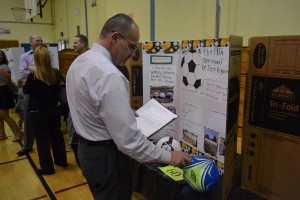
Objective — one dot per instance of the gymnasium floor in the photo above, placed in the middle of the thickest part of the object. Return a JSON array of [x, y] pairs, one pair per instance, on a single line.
[[19, 180]]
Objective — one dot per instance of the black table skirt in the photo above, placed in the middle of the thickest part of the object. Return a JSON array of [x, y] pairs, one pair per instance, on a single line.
[[155, 185]]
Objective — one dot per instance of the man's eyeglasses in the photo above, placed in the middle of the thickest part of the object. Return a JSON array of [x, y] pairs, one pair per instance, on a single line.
[[133, 48]]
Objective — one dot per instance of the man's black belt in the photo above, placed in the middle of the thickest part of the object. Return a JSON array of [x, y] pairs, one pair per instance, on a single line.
[[96, 143]]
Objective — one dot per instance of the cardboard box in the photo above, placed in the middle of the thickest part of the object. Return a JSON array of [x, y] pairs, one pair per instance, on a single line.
[[271, 140]]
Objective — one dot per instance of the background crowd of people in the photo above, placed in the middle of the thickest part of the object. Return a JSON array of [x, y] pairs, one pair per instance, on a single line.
[[38, 104]]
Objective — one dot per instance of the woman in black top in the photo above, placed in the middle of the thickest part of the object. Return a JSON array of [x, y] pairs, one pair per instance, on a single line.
[[43, 87]]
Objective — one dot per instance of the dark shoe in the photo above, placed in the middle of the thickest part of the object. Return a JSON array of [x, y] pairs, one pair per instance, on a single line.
[[43, 172], [23, 151]]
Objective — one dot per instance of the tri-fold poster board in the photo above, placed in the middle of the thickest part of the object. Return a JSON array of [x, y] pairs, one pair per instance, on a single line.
[[198, 80]]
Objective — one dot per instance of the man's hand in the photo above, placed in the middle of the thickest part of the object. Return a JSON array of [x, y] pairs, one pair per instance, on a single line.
[[135, 114], [179, 159]]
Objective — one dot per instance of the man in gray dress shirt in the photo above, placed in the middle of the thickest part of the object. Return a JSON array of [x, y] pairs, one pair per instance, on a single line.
[[98, 97], [27, 66]]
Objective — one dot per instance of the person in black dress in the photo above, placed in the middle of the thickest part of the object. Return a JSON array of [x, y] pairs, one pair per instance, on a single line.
[[6, 100]]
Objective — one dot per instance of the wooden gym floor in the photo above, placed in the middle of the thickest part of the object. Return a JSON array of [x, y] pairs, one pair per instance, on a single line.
[[19, 178]]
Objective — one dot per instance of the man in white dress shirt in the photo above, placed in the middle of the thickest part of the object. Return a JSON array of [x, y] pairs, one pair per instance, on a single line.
[[98, 96]]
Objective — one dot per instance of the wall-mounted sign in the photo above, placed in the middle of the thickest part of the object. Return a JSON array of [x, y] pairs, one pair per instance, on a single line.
[[4, 31]]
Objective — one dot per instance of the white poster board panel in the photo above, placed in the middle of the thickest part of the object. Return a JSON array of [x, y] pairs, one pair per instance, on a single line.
[[202, 91], [160, 66], [13, 55], [54, 57]]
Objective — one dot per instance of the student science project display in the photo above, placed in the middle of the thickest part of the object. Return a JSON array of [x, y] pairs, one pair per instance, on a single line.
[[203, 77]]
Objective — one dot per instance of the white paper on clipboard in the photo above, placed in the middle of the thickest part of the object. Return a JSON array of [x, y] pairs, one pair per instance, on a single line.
[[152, 117]]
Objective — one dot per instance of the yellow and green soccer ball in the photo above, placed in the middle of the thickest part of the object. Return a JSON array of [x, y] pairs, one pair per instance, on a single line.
[[202, 174]]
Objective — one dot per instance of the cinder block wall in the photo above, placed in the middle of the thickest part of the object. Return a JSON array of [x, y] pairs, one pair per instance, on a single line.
[[174, 19]]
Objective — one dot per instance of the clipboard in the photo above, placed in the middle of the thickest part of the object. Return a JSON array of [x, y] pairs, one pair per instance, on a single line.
[[153, 117]]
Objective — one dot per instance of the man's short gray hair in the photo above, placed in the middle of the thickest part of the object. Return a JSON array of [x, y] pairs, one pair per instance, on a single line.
[[120, 23], [33, 36]]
